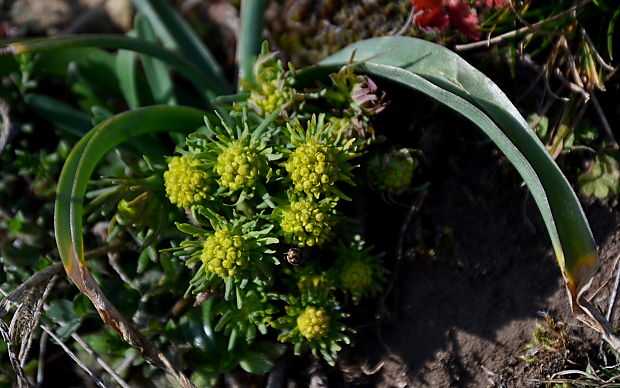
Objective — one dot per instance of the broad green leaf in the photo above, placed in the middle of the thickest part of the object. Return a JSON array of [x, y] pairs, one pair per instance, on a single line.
[[442, 75], [255, 363], [250, 40], [157, 74], [177, 35]]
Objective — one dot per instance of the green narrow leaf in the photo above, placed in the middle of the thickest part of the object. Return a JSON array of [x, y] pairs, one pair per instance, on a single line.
[[157, 74], [126, 71], [251, 37], [177, 35], [63, 116], [204, 83], [610, 33]]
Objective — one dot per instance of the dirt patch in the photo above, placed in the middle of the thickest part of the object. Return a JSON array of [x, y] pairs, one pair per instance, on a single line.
[[462, 317]]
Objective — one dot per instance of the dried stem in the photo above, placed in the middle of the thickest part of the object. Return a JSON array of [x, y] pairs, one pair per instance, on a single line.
[[519, 31]]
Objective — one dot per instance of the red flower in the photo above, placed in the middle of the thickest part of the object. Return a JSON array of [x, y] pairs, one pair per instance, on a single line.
[[442, 14], [430, 13], [464, 19], [494, 3]]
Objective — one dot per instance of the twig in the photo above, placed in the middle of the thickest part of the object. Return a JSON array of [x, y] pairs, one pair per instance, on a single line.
[[113, 260], [604, 122], [408, 22], [519, 31], [41, 363], [5, 129], [64, 347], [413, 209], [532, 27], [614, 294], [571, 85], [34, 321], [22, 379], [100, 361], [598, 57]]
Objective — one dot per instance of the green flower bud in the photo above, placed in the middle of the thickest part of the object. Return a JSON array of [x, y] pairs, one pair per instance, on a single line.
[[186, 185], [392, 171], [356, 276], [225, 253], [312, 168], [239, 167], [313, 323], [307, 223]]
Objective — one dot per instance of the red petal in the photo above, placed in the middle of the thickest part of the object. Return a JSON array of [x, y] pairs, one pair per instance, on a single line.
[[464, 19]]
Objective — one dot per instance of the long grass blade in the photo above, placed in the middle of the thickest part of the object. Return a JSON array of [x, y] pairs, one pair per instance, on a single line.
[[250, 40], [157, 74], [177, 35], [204, 82]]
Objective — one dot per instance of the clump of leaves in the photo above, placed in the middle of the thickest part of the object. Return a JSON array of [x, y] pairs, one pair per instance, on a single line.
[[602, 178], [549, 337]]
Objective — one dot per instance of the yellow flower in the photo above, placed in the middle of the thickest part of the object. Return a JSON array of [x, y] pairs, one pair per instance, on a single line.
[[238, 167], [313, 323], [312, 168], [225, 253], [186, 185], [307, 223]]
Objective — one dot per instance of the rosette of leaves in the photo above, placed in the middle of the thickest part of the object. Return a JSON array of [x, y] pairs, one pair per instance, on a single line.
[[242, 324], [317, 160], [273, 86], [234, 254], [602, 178], [133, 202], [305, 221], [314, 324], [357, 272], [237, 153], [392, 171]]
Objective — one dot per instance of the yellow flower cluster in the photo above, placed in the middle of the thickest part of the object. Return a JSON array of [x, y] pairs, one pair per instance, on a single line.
[[312, 168], [186, 185], [238, 166], [356, 276], [267, 96], [225, 253], [313, 323], [306, 223]]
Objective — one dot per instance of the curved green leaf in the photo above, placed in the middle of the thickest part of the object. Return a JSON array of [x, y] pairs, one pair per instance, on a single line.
[[203, 81], [442, 75], [84, 157], [568, 228]]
